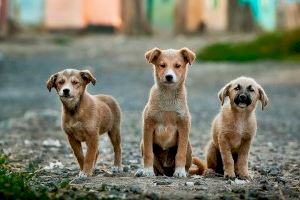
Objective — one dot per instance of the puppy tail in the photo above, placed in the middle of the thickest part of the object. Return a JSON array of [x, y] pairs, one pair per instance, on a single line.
[[199, 168]]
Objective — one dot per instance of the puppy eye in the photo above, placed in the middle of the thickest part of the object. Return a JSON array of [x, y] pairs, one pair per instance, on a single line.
[[162, 65], [237, 88], [177, 65], [61, 82], [74, 82], [251, 89]]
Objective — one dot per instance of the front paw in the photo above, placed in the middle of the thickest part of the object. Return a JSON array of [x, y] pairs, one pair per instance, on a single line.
[[229, 175], [180, 172], [116, 169], [145, 172], [243, 174], [82, 175]]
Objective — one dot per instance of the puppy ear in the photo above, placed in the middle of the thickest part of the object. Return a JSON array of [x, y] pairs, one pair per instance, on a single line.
[[187, 55], [152, 55], [263, 97], [87, 76], [224, 92], [51, 81]]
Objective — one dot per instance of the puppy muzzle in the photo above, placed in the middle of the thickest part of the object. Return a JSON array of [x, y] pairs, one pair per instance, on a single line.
[[242, 100]]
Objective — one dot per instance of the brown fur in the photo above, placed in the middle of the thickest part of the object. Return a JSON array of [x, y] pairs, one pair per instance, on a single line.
[[165, 146], [200, 167], [233, 129], [85, 117]]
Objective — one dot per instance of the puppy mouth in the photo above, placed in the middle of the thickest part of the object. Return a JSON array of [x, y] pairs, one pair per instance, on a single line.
[[242, 105], [66, 96]]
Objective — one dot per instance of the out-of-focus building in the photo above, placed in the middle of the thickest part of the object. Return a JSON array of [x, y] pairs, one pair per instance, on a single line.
[[288, 13], [144, 16], [64, 14], [3, 17]]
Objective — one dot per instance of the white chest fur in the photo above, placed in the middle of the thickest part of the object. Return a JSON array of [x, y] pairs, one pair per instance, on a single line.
[[165, 135]]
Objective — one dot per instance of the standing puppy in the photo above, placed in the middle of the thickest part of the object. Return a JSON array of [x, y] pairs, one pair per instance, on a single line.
[[85, 117], [234, 127], [165, 146]]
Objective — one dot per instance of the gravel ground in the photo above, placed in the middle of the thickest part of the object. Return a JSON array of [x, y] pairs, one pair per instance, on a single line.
[[30, 116]]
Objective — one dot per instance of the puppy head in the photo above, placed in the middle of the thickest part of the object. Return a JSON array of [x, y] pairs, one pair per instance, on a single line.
[[170, 66], [243, 93], [70, 83]]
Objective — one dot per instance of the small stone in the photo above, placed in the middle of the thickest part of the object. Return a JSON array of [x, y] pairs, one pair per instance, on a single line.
[[163, 182], [189, 184], [152, 196], [136, 189], [125, 169]]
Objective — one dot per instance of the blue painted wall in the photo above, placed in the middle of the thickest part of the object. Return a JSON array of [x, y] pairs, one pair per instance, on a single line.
[[264, 12], [27, 12]]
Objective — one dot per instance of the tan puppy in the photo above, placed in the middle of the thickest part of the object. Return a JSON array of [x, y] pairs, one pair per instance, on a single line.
[[165, 146], [234, 127], [85, 117]]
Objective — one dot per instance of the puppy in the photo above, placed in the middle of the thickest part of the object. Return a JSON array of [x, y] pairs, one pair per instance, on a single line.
[[234, 128], [165, 146], [85, 117]]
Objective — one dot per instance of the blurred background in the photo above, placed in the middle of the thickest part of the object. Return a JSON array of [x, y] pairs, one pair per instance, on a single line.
[[149, 16], [256, 38]]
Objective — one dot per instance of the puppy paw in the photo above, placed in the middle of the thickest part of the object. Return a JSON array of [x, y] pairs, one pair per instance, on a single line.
[[229, 175], [116, 169], [82, 175], [179, 172], [145, 172], [244, 176]]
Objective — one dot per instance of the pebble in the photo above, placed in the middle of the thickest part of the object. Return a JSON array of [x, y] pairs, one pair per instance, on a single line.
[[163, 182], [136, 189], [189, 184]]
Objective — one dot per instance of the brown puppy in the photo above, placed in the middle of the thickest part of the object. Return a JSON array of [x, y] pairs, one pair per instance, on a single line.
[[234, 127], [165, 146], [85, 117]]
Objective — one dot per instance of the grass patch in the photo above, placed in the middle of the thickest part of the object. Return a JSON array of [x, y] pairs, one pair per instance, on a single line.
[[14, 185], [271, 46]]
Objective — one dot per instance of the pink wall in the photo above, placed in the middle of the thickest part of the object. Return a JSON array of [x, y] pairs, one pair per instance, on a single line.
[[63, 14]]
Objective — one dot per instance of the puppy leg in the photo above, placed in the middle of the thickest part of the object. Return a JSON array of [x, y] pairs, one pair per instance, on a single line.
[[227, 159], [97, 155], [115, 139], [92, 149], [212, 156], [147, 150], [188, 157], [77, 150], [183, 138], [242, 160]]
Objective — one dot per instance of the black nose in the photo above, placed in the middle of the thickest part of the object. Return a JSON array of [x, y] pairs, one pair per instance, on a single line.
[[243, 97], [169, 78], [66, 91]]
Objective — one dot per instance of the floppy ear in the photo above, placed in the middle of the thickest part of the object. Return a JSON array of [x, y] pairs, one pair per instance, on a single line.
[[51, 81], [87, 76], [263, 97], [152, 55], [224, 92], [187, 55]]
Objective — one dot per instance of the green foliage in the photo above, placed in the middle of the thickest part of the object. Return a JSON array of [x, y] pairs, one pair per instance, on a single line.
[[274, 46], [13, 185]]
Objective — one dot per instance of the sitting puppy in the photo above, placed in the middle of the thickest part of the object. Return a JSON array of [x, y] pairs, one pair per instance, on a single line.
[[85, 117], [165, 146], [234, 127]]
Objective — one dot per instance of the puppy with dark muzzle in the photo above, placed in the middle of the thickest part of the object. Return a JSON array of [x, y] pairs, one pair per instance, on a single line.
[[234, 128], [85, 117], [165, 146]]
